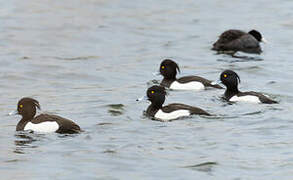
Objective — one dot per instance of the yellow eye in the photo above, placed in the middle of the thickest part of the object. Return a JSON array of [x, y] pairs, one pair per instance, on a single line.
[[163, 67], [225, 75], [152, 92], [21, 106]]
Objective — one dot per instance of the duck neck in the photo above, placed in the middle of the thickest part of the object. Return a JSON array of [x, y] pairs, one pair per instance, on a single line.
[[170, 77], [231, 91], [152, 110], [167, 81], [156, 104], [21, 124]]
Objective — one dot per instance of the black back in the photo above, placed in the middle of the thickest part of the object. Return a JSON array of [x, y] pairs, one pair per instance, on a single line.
[[205, 82], [228, 36], [236, 40], [176, 106]]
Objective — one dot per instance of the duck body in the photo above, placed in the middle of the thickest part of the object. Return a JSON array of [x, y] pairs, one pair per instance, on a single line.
[[47, 123], [156, 94], [174, 111], [168, 69], [251, 96], [43, 123], [230, 79], [234, 40]]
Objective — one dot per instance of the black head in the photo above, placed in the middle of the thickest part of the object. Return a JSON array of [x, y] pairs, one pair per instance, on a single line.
[[156, 94], [168, 69], [230, 79], [256, 35], [26, 107]]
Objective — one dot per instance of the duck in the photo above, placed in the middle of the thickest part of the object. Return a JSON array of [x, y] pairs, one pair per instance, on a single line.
[[231, 79], [43, 123], [156, 95], [234, 40], [169, 68]]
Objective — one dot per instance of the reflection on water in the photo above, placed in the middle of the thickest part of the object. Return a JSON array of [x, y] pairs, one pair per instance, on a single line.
[[116, 109], [205, 167], [24, 140], [240, 59]]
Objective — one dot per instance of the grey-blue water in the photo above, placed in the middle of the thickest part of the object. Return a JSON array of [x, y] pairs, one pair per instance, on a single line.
[[88, 60]]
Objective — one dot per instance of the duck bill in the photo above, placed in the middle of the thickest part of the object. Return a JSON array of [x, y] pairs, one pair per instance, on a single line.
[[264, 40], [15, 112], [143, 98], [216, 82], [156, 73]]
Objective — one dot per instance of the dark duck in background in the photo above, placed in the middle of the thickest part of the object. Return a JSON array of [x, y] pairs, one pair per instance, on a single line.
[[233, 40]]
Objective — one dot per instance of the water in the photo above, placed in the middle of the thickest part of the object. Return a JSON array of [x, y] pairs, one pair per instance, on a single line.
[[90, 60]]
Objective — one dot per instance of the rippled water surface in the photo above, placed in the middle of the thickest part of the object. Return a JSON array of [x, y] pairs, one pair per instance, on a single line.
[[88, 60]]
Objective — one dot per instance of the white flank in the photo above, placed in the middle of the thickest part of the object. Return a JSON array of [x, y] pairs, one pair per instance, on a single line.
[[194, 85], [44, 127], [172, 115], [248, 98]]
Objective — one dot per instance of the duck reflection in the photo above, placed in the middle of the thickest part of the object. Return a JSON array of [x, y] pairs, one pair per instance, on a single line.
[[116, 109], [240, 58], [24, 140]]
